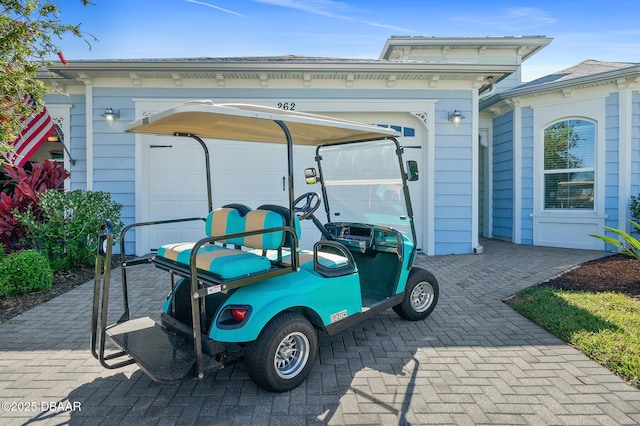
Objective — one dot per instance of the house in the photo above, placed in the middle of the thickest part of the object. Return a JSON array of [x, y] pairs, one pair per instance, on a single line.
[[458, 103], [565, 155]]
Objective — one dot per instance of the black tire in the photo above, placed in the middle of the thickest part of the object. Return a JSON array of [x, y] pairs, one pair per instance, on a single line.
[[284, 353], [420, 295]]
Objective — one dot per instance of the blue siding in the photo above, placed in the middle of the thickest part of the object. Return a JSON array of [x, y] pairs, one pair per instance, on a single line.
[[114, 151], [527, 177], [635, 144], [611, 178], [453, 176], [503, 176]]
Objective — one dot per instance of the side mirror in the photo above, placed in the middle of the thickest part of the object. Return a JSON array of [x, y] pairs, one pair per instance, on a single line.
[[412, 170], [310, 176]]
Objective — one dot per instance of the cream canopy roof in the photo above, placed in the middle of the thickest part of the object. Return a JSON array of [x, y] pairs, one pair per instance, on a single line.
[[243, 122]]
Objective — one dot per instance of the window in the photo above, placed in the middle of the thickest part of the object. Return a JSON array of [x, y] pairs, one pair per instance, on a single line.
[[569, 161]]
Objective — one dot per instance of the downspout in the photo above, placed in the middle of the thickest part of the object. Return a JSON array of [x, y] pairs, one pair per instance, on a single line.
[[491, 91], [478, 249]]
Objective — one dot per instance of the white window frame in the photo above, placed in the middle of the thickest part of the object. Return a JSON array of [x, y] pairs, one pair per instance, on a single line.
[[592, 169]]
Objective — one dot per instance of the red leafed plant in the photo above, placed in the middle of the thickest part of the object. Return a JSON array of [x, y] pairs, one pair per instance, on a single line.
[[23, 190]]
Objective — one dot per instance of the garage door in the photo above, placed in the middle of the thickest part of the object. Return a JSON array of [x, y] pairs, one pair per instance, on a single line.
[[174, 186], [242, 172]]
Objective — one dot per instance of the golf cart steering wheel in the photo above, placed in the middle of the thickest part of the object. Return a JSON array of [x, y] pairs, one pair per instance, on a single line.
[[312, 202]]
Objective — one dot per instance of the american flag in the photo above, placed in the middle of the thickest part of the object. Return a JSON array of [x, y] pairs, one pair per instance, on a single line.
[[36, 129]]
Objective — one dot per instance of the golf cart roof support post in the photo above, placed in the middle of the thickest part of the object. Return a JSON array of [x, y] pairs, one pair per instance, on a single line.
[[196, 308], [294, 243], [323, 189], [207, 165], [407, 196]]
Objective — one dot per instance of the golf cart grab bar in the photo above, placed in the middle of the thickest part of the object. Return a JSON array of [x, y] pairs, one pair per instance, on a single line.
[[330, 272], [238, 282], [149, 223]]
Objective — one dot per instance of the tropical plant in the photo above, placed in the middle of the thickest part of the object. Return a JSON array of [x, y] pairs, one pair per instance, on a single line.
[[67, 230], [29, 30], [25, 186], [629, 245], [634, 208]]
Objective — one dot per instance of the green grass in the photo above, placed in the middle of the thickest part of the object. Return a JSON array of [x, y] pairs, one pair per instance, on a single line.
[[605, 326]]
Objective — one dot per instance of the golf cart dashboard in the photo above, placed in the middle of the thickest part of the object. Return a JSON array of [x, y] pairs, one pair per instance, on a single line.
[[360, 237]]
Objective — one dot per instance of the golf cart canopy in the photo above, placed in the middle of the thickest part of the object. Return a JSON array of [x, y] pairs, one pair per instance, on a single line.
[[242, 122]]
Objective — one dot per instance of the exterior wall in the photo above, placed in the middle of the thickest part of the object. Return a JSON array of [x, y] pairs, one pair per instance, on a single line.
[[107, 156], [615, 109], [526, 219], [454, 178], [571, 227], [635, 144], [503, 176], [612, 160], [482, 199]]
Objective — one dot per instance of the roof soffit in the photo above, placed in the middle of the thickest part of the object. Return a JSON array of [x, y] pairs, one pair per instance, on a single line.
[[622, 78], [82, 72], [515, 47]]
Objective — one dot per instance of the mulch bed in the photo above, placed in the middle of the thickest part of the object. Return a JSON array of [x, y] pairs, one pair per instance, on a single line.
[[617, 273]]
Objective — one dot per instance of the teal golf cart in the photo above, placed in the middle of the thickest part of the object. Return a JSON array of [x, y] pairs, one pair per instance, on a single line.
[[246, 290]]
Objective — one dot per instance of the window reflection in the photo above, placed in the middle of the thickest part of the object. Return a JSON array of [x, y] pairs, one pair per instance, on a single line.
[[569, 161]]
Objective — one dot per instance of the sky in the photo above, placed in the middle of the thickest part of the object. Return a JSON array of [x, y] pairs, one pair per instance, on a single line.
[[133, 29]]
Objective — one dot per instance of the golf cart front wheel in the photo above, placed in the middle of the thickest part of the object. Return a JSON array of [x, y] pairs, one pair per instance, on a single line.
[[283, 355], [420, 295]]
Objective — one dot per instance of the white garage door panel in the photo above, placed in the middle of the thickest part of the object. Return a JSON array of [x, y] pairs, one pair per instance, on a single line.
[[245, 173], [173, 180], [249, 173]]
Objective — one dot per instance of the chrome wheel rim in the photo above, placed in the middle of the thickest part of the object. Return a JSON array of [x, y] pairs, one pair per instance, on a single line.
[[292, 355], [421, 296]]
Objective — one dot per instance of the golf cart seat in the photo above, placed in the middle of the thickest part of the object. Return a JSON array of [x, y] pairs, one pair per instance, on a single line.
[[219, 260], [327, 259]]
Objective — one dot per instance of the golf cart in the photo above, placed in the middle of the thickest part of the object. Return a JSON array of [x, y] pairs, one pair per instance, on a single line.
[[246, 290]]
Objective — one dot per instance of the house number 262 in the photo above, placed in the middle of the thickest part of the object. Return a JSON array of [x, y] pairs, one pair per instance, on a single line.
[[287, 106]]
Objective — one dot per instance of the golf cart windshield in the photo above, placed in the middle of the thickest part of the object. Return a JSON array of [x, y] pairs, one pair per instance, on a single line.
[[363, 183]]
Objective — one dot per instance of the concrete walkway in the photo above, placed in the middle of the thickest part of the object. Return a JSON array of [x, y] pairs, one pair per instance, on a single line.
[[473, 361]]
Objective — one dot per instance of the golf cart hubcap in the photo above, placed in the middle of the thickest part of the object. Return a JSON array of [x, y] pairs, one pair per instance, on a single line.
[[421, 296], [292, 355]]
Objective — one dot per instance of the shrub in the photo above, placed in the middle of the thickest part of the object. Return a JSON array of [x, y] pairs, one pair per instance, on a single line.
[[23, 190], [67, 231], [634, 208], [629, 246], [24, 272]]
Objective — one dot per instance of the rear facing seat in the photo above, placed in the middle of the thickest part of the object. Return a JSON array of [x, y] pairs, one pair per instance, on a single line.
[[222, 261]]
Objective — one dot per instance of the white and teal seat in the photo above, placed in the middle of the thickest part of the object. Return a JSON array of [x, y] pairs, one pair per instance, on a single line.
[[232, 263]]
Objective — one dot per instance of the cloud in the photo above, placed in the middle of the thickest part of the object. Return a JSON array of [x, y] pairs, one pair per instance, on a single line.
[[214, 7], [327, 8], [512, 19]]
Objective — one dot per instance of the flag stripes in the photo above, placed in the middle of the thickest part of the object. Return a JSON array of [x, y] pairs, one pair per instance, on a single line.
[[36, 129]]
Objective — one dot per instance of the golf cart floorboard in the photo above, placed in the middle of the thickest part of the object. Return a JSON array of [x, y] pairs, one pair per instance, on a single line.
[[160, 353], [372, 298]]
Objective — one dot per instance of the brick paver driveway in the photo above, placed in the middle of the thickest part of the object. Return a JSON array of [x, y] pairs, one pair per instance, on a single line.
[[473, 361]]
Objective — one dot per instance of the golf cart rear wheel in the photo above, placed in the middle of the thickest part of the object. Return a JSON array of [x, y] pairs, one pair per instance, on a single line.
[[420, 295], [283, 355]]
